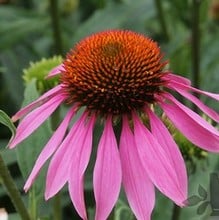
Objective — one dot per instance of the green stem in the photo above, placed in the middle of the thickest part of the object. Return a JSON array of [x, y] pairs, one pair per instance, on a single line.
[[195, 45], [112, 215], [56, 26], [101, 3], [33, 203], [176, 212], [161, 18], [27, 4], [57, 210], [13, 191]]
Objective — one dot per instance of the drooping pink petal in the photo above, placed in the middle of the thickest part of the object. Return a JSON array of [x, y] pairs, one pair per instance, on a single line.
[[208, 111], [40, 101], [107, 173], [59, 167], [175, 84], [157, 163], [166, 141], [194, 127], [35, 118], [55, 71], [79, 163], [138, 187], [180, 79], [50, 148]]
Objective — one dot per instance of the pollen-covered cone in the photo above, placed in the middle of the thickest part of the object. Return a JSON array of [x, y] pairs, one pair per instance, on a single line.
[[117, 76]]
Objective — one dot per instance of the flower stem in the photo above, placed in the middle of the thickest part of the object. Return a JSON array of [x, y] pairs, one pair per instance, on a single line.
[[101, 3], [195, 45], [162, 20], [112, 215], [54, 12], [33, 203], [28, 4], [57, 210], [13, 191], [176, 212]]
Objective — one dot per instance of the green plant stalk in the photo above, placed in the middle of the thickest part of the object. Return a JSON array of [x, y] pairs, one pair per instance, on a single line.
[[101, 3], [33, 203], [162, 19], [27, 4], [112, 215], [55, 18], [57, 208], [176, 212], [195, 46], [13, 191]]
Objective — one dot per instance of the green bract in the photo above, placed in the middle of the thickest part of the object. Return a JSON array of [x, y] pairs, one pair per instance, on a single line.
[[39, 70]]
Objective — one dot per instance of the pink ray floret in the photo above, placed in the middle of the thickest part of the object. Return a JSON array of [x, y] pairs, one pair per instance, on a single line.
[[141, 197], [156, 160], [40, 101], [35, 118], [50, 148], [107, 173], [56, 71], [59, 167], [79, 164]]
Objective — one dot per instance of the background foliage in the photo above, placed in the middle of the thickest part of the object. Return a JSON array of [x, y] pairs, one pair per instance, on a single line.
[[31, 30]]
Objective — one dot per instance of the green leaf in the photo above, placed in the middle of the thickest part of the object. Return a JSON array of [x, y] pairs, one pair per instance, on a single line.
[[163, 209], [193, 200], [14, 216], [28, 150], [202, 192], [13, 62], [127, 15], [5, 120], [202, 208], [200, 176], [8, 155], [21, 24]]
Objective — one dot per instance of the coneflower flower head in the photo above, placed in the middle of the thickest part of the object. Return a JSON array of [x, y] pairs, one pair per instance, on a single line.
[[118, 75], [113, 72]]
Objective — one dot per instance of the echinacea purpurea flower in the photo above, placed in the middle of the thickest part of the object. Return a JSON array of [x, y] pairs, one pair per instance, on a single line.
[[118, 75]]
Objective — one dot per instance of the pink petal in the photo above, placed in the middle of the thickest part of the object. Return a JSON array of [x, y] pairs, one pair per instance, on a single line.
[[40, 101], [194, 127], [34, 119], [208, 111], [50, 148], [107, 173], [184, 89], [157, 163], [138, 187], [79, 163], [55, 71], [166, 141], [180, 79], [175, 84], [59, 168]]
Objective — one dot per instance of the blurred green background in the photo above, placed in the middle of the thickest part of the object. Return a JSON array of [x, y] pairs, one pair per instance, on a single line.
[[188, 34]]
